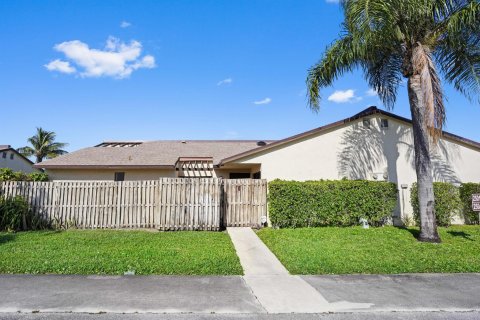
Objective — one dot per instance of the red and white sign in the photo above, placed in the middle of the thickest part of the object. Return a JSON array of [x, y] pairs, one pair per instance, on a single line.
[[476, 202]]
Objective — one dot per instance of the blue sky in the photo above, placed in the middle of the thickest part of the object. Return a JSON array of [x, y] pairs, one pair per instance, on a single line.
[[145, 70]]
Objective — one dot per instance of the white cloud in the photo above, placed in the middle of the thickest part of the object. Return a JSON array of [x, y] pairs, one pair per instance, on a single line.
[[371, 92], [263, 101], [225, 81], [117, 60], [125, 24], [60, 66], [343, 96]]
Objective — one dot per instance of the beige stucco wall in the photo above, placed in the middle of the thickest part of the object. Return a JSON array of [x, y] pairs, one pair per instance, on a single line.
[[355, 152], [108, 174], [16, 164], [130, 175]]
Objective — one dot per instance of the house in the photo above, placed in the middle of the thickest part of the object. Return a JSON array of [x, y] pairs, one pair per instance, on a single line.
[[11, 158], [373, 144]]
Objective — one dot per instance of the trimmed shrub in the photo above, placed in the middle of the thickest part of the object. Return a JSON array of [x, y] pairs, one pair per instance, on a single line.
[[37, 176], [466, 191], [14, 213], [330, 203], [7, 174], [447, 202]]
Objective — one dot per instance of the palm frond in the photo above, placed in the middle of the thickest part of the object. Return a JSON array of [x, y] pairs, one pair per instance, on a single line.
[[342, 56], [383, 74]]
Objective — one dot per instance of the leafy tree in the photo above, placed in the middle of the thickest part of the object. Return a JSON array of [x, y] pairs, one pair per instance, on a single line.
[[43, 146], [417, 40]]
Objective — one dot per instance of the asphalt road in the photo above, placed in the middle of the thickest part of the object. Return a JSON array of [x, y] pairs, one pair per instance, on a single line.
[[336, 316]]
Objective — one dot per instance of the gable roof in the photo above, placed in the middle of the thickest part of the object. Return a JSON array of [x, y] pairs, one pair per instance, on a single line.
[[165, 153], [150, 154], [365, 113], [7, 147]]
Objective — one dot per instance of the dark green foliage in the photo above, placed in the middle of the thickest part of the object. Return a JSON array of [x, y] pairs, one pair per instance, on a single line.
[[330, 203], [7, 174], [466, 191], [447, 202], [13, 213]]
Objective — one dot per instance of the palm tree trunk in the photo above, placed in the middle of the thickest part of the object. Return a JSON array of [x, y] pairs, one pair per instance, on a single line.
[[423, 164]]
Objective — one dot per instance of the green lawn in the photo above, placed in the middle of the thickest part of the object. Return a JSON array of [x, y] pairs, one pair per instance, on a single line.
[[374, 250], [114, 252]]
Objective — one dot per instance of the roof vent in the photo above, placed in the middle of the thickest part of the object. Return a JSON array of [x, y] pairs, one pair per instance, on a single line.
[[261, 143], [118, 144]]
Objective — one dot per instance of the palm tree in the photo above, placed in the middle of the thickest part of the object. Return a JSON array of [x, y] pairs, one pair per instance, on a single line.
[[413, 39], [43, 146]]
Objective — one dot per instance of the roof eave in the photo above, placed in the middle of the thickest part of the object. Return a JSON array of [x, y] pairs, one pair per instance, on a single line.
[[365, 113], [132, 167]]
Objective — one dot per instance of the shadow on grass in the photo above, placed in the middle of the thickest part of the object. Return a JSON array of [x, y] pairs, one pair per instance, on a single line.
[[461, 234], [415, 232], [7, 237]]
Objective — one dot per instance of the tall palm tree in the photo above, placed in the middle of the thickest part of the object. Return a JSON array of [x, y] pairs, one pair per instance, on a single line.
[[413, 39], [43, 146]]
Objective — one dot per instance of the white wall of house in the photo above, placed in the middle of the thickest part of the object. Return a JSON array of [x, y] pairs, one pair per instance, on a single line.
[[10, 159], [356, 152]]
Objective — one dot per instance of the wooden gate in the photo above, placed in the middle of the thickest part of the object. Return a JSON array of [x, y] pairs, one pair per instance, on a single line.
[[245, 202]]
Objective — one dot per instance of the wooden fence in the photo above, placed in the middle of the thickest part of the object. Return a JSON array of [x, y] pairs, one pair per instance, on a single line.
[[164, 204]]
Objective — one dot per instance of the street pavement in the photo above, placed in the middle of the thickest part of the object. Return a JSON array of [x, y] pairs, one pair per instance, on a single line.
[[231, 294], [291, 316]]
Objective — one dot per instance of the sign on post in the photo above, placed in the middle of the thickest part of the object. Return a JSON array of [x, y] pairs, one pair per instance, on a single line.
[[476, 202]]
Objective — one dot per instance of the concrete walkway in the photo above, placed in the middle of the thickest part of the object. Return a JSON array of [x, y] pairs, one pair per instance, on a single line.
[[277, 290]]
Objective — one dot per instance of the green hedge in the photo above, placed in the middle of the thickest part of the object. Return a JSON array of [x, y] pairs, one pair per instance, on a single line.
[[466, 191], [13, 213], [447, 202], [7, 174], [330, 203]]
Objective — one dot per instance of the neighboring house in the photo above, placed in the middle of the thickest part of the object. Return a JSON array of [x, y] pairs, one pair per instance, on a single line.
[[372, 144], [11, 158]]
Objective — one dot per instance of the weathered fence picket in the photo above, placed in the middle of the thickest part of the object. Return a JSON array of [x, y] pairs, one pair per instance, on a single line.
[[164, 204]]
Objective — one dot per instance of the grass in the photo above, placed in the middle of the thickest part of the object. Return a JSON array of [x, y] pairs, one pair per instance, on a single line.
[[115, 252], [384, 250]]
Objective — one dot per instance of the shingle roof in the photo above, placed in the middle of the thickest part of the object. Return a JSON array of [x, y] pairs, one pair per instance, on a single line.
[[162, 153], [4, 147]]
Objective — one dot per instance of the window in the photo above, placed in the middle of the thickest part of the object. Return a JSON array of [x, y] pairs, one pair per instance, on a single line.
[[257, 175], [384, 123], [119, 176], [366, 123], [11, 156], [239, 175], [4, 155]]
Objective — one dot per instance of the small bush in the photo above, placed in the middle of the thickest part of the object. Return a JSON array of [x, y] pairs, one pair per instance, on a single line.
[[466, 191], [14, 213], [330, 203], [447, 202], [7, 174], [37, 176]]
